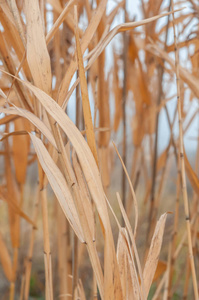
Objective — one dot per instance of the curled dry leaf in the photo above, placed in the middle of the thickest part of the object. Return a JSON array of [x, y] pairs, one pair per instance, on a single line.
[[121, 28]]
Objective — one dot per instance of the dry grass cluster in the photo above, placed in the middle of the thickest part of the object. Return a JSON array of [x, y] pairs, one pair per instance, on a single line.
[[54, 63]]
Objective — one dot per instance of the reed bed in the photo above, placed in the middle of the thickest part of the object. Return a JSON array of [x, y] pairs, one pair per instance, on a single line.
[[95, 202]]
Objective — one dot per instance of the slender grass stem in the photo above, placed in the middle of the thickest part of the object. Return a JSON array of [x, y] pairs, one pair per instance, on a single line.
[[182, 163]]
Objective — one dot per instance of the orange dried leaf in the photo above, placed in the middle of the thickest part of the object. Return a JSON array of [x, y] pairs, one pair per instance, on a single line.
[[161, 268], [20, 149], [15, 207], [104, 158], [191, 80], [162, 159], [6, 260], [193, 178]]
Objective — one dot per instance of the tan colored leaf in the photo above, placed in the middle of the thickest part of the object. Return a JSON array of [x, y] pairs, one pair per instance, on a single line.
[[37, 53], [10, 64], [33, 119], [17, 18], [86, 217], [85, 199], [7, 12], [12, 34], [154, 252], [2, 94], [82, 203], [59, 20], [14, 133], [58, 185], [128, 273], [134, 248]]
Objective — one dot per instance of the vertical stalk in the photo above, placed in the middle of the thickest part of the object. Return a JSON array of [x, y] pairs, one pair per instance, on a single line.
[[45, 222], [63, 253], [47, 252], [124, 95], [154, 166], [187, 276], [28, 261], [14, 219], [75, 239], [182, 164], [175, 230], [75, 264], [12, 291], [166, 288], [77, 121], [94, 287]]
